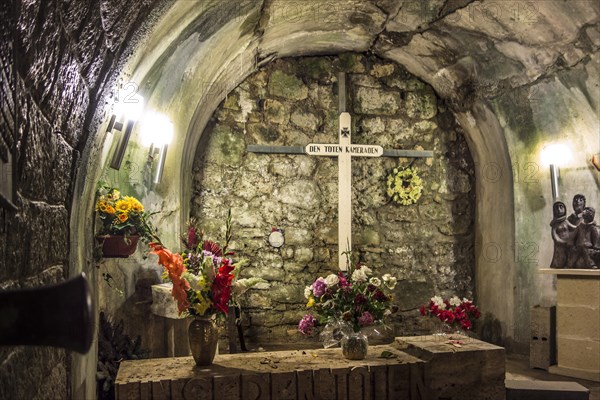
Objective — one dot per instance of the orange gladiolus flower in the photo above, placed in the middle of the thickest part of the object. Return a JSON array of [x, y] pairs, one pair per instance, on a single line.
[[173, 263]]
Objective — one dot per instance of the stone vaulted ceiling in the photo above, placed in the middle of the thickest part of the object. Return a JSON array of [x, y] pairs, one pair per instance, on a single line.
[[464, 49]]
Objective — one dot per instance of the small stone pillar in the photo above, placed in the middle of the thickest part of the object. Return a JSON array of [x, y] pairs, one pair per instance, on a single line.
[[176, 328], [542, 341]]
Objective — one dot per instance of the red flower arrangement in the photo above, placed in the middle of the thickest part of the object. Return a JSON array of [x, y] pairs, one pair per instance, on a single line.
[[221, 287], [203, 275], [453, 311]]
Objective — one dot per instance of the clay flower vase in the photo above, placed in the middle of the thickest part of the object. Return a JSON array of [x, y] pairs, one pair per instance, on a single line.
[[117, 246], [203, 335], [355, 346]]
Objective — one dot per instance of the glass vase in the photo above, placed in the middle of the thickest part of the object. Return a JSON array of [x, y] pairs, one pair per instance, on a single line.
[[355, 346], [463, 336], [438, 328], [203, 336], [445, 331]]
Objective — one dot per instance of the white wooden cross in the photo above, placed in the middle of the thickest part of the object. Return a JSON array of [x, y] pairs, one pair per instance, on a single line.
[[344, 150]]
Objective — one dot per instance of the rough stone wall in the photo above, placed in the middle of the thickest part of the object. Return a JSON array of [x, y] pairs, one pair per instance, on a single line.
[[55, 63], [428, 246]]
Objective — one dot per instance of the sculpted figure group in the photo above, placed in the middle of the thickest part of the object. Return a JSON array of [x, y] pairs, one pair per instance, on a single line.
[[576, 237]]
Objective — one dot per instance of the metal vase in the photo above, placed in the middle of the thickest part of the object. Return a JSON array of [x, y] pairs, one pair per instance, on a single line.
[[204, 336], [355, 346], [118, 246]]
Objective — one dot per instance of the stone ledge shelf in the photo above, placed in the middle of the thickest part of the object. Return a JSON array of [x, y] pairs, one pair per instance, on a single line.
[[567, 271], [577, 323], [421, 367]]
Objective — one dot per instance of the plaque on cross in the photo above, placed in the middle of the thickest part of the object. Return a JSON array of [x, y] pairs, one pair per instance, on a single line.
[[344, 150]]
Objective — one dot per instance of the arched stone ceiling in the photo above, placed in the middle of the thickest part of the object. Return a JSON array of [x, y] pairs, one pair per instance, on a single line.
[[468, 51]]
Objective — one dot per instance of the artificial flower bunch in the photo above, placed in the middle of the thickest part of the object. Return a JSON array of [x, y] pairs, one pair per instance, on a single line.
[[122, 215], [204, 275], [453, 311], [404, 185], [354, 298]]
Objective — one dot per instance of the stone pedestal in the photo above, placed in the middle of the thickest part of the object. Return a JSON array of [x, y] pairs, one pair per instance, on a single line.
[[577, 323], [474, 371], [542, 345], [164, 306]]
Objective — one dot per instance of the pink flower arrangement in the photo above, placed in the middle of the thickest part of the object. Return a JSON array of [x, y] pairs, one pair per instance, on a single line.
[[354, 298], [307, 323], [453, 311]]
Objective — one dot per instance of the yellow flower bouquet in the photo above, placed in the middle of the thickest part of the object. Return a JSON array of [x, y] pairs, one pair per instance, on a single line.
[[123, 216]]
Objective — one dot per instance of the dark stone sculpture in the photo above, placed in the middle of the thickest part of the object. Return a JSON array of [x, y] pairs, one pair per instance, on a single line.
[[578, 206], [562, 234], [576, 238], [587, 241]]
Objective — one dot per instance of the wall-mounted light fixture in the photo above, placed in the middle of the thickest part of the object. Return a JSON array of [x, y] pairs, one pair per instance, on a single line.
[[128, 109], [555, 155], [157, 133]]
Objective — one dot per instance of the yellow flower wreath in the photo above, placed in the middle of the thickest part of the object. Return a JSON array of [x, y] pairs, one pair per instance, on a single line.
[[404, 186]]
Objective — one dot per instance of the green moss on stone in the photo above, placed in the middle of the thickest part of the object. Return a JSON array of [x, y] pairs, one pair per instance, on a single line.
[[263, 133], [287, 86], [319, 68], [411, 295], [231, 102], [376, 102], [351, 62], [276, 112], [368, 237], [516, 111], [226, 146], [420, 105]]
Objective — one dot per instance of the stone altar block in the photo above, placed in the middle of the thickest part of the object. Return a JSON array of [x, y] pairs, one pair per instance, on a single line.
[[476, 370], [324, 374], [577, 323]]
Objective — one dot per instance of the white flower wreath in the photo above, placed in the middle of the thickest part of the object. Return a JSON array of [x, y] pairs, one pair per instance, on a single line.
[[404, 186]]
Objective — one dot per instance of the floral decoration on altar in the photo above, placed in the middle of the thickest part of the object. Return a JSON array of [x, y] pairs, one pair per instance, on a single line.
[[453, 311], [204, 275], [348, 302], [404, 186]]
